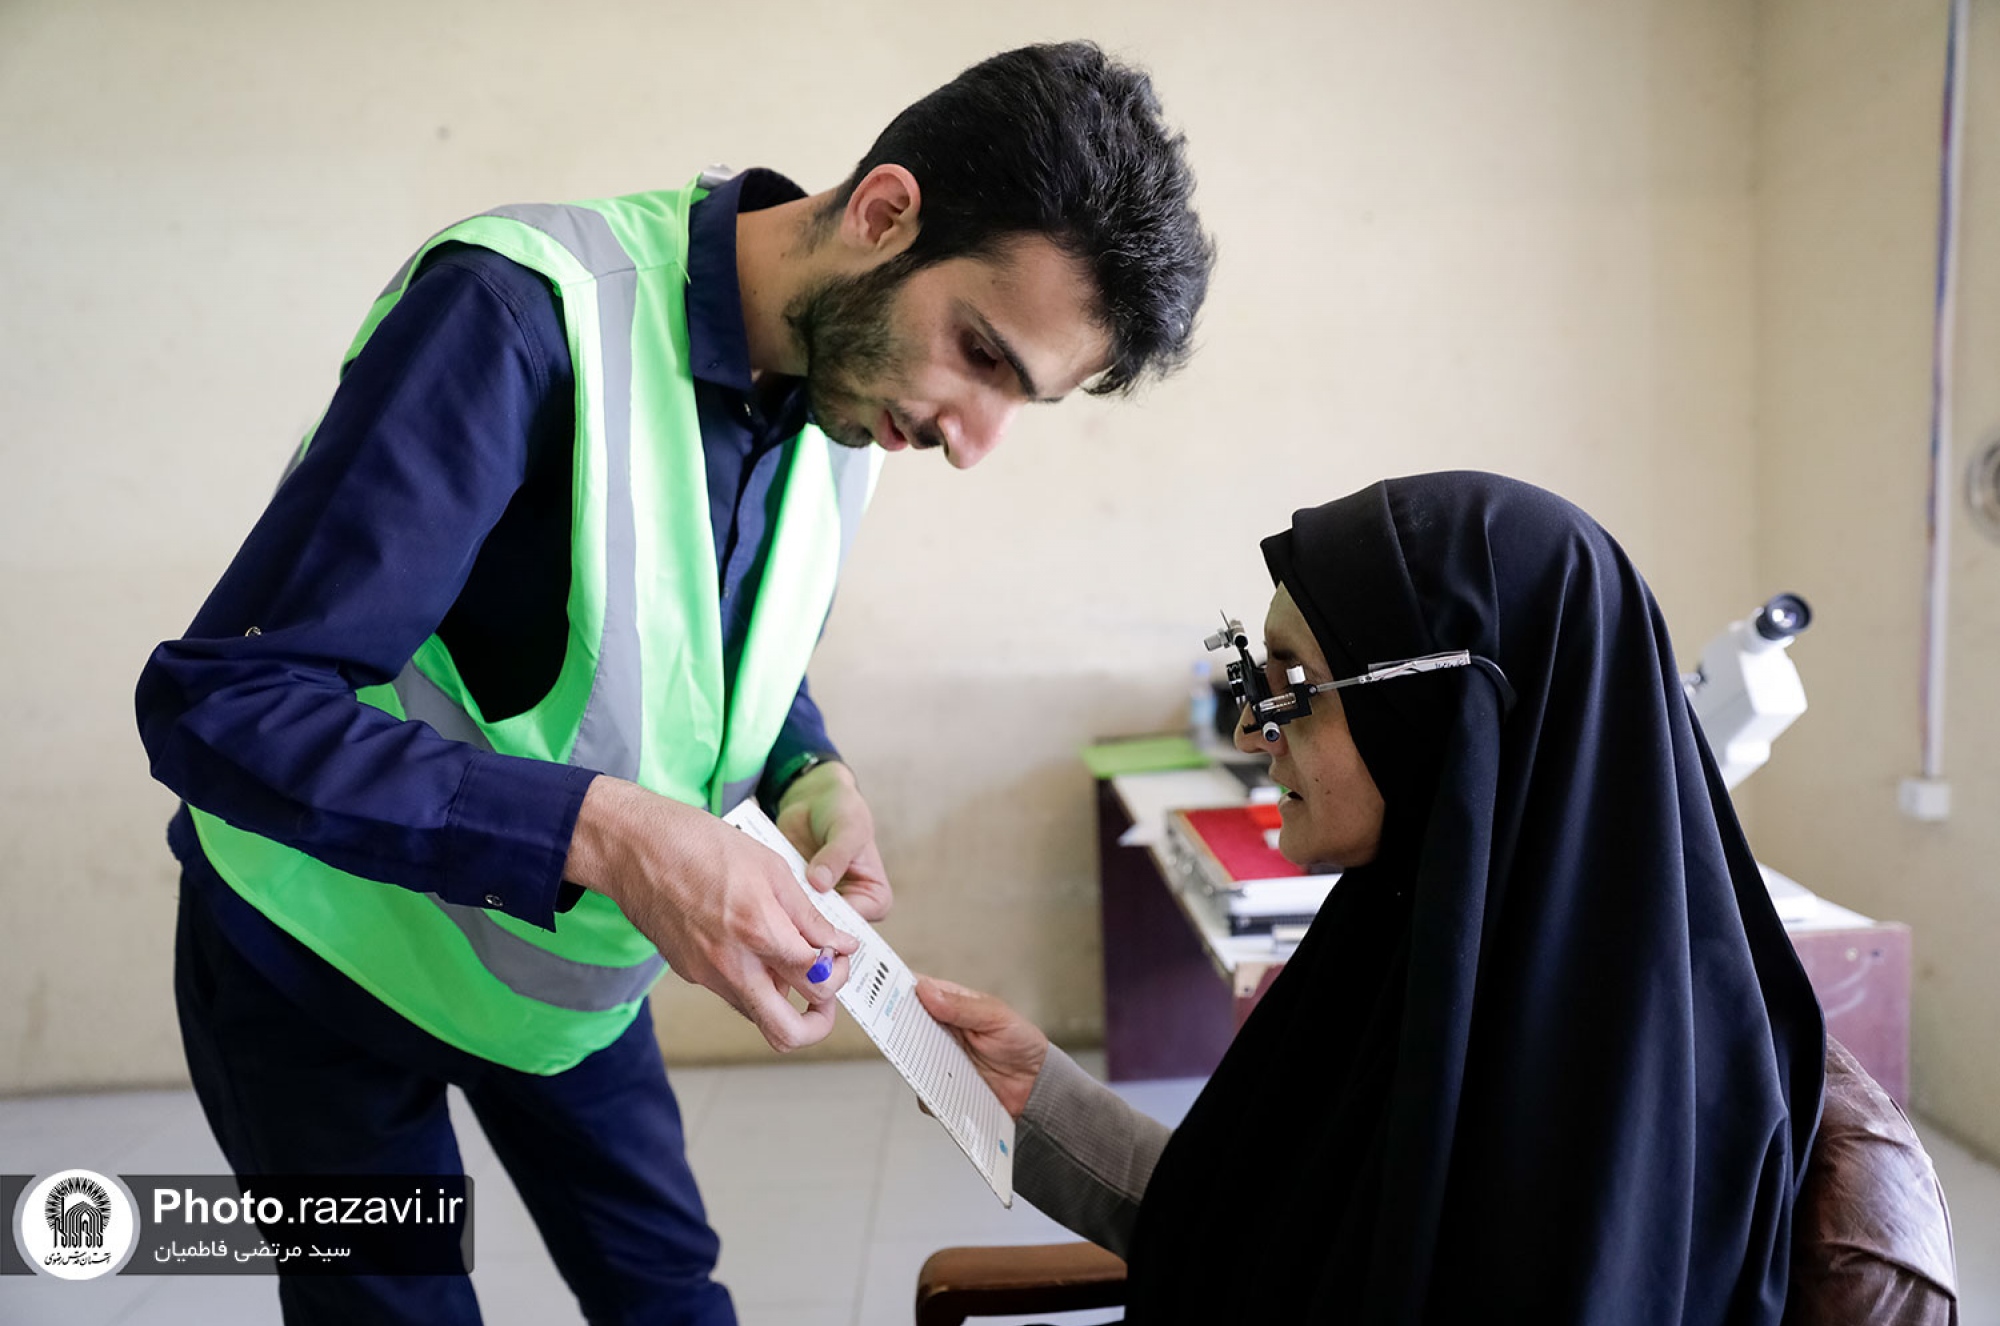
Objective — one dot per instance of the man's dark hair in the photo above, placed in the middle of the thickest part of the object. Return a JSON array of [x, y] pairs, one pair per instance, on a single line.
[[1064, 142]]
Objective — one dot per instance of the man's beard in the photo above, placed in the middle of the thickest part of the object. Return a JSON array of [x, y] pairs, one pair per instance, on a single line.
[[842, 324]]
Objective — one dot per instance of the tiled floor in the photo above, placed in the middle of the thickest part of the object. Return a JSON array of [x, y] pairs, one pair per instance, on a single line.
[[828, 1186]]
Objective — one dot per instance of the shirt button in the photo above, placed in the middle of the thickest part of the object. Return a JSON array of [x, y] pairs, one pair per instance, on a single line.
[[494, 900]]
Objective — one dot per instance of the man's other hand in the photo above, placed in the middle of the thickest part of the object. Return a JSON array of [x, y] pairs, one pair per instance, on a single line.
[[724, 910], [825, 817]]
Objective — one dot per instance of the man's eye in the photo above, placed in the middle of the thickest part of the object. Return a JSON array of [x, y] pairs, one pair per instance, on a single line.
[[978, 355]]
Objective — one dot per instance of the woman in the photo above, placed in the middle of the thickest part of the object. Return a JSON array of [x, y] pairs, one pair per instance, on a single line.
[[1546, 1054]]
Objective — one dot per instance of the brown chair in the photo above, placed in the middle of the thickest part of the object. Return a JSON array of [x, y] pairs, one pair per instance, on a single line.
[[957, 1283], [1871, 1235], [1871, 1243]]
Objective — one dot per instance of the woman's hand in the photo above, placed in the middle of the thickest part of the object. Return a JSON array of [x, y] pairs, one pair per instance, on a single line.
[[1006, 1048]]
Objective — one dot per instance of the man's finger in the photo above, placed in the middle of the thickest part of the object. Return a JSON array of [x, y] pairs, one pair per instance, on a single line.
[[830, 863], [816, 1020], [870, 899], [816, 1023], [791, 958], [817, 931], [785, 1027]]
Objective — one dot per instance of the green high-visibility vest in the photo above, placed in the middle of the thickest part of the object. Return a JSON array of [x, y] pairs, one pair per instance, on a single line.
[[641, 691]]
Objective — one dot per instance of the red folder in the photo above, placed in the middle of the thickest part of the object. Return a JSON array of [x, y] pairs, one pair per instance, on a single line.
[[1232, 837]]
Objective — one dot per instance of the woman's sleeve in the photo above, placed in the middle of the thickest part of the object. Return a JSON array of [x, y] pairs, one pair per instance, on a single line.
[[1083, 1155]]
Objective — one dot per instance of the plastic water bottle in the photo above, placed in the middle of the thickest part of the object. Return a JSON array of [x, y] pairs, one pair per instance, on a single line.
[[1201, 704]]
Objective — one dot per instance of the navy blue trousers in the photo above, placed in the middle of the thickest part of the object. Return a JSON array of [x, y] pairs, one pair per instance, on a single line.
[[328, 1080]]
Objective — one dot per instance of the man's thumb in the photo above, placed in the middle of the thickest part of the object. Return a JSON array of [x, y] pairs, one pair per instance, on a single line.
[[829, 864]]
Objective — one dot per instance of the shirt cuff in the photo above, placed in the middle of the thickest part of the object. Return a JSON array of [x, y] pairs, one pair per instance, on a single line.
[[510, 826]]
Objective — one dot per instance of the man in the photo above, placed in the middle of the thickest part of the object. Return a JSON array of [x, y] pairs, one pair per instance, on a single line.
[[578, 506]]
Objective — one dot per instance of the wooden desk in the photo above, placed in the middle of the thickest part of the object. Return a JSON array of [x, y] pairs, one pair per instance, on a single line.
[[1862, 977], [1177, 985], [1169, 1010]]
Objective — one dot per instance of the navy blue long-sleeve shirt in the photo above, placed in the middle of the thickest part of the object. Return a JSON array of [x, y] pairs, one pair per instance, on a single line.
[[436, 497]]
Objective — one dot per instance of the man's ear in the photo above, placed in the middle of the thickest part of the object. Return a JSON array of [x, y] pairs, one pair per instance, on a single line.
[[881, 216]]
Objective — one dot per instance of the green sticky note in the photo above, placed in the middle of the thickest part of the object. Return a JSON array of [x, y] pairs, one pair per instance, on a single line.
[[1142, 755]]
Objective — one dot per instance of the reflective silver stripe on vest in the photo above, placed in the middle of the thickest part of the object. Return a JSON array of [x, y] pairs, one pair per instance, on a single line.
[[851, 467], [608, 735], [736, 793], [403, 272], [525, 968], [425, 701], [536, 973]]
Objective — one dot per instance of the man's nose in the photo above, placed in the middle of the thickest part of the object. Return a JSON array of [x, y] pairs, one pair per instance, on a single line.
[[975, 428]]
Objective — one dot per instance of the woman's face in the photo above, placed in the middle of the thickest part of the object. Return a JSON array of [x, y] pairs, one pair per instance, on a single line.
[[1332, 809]]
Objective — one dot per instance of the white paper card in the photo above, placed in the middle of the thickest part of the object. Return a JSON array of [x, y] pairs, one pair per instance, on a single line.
[[881, 995]]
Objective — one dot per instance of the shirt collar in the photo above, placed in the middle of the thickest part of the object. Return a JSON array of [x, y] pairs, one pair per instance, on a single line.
[[718, 347]]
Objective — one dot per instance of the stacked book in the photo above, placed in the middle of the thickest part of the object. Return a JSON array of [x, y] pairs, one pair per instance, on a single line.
[[1227, 860]]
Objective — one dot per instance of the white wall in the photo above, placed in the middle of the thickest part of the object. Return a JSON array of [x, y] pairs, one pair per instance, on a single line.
[[1517, 237], [1849, 99]]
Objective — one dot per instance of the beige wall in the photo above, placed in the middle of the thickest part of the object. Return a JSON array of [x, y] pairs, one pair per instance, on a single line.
[[1514, 236], [1849, 93]]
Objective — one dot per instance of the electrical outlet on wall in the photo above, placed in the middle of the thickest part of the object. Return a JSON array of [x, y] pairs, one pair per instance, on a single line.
[[1926, 799]]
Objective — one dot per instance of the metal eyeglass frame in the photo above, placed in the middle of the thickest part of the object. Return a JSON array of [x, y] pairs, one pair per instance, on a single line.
[[1271, 710]]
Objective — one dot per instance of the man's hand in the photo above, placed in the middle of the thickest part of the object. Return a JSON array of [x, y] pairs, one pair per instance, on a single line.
[[723, 909], [1006, 1048], [823, 815]]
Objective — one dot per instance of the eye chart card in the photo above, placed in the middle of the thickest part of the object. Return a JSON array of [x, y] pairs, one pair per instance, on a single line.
[[881, 995]]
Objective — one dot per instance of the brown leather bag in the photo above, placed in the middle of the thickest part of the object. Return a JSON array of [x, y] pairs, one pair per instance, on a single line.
[[1871, 1235]]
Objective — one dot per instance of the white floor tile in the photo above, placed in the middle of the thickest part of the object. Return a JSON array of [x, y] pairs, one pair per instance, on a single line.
[[889, 1282], [45, 1133], [930, 1190], [473, 1148], [797, 1244], [797, 1314], [182, 1144], [831, 1139], [694, 1088], [787, 1082], [1972, 1190]]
